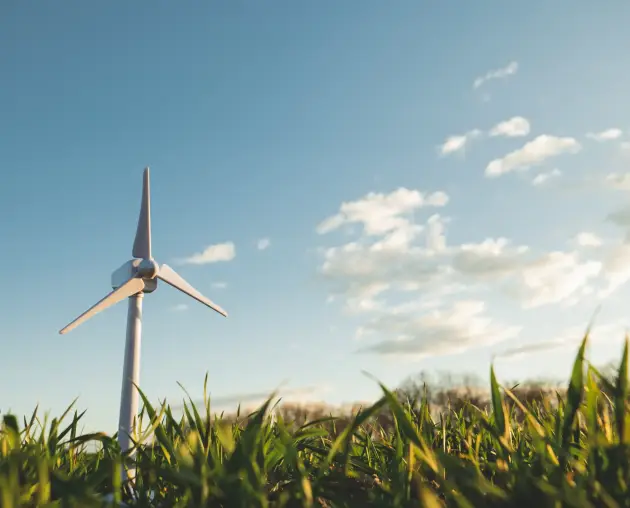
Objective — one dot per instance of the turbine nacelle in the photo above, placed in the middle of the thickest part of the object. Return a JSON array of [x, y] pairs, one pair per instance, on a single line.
[[146, 269]]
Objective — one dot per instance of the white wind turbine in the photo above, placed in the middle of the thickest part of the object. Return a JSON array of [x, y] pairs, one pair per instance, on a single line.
[[132, 280]]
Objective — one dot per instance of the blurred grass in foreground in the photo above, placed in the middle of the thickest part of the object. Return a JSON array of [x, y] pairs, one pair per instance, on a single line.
[[569, 449]]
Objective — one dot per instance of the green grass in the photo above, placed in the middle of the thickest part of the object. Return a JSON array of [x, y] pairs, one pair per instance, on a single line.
[[569, 451]]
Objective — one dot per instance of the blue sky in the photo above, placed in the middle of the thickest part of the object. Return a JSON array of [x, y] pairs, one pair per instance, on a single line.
[[259, 120]]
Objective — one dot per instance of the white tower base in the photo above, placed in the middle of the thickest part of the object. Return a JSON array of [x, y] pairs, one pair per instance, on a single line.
[[131, 373]]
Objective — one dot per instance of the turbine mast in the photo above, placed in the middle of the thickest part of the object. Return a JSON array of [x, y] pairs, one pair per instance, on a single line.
[[131, 374]]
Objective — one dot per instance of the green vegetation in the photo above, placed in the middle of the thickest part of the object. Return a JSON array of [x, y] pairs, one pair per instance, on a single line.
[[571, 449]]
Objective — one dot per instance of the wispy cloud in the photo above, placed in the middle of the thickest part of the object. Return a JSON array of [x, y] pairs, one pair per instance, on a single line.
[[212, 254], [380, 213], [587, 239], [180, 307], [541, 178], [263, 243], [606, 135], [219, 285], [395, 273], [438, 332], [532, 153], [535, 347], [517, 126], [458, 143], [501, 73], [514, 127]]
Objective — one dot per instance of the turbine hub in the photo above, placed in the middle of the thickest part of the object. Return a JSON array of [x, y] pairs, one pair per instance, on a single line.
[[147, 269]]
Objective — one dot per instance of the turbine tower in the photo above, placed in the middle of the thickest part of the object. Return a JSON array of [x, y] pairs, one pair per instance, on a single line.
[[134, 278]]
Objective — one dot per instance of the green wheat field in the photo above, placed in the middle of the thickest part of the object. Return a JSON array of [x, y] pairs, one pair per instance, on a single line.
[[568, 447]]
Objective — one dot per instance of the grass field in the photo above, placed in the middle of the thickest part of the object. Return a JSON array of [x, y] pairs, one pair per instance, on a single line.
[[569, 450]]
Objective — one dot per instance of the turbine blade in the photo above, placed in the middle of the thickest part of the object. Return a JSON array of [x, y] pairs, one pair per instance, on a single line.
[[142, 243], [170, 276], [129, 288]]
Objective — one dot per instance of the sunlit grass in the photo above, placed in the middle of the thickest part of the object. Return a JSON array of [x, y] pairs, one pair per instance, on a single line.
[[573, 451]]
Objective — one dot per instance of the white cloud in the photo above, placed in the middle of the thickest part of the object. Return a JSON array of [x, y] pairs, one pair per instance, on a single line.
[[263, 243], [457, 143], [501, 73], [541, 178], [533, 280], [514, 127], [402, 268], [180, 307], [212, 254], [532, 153], [219, 285], [359, 271], [382, 213], [625, 146], [435, 236], [586, 239], [616, 269], [463, 326], [532, 348], [606, 135], [555, 277], [396, 260], [490, 259], [356, 270], [616, 258]]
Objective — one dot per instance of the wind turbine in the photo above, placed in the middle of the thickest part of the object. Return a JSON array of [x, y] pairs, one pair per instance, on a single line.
[[132, 280]]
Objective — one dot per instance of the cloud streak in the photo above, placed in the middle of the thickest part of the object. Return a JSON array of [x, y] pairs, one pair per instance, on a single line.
[[516, 126], [211, 254], [533, 153], [263, 244], [605, 135], [458, 143], [541, 178], [501, 73]]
